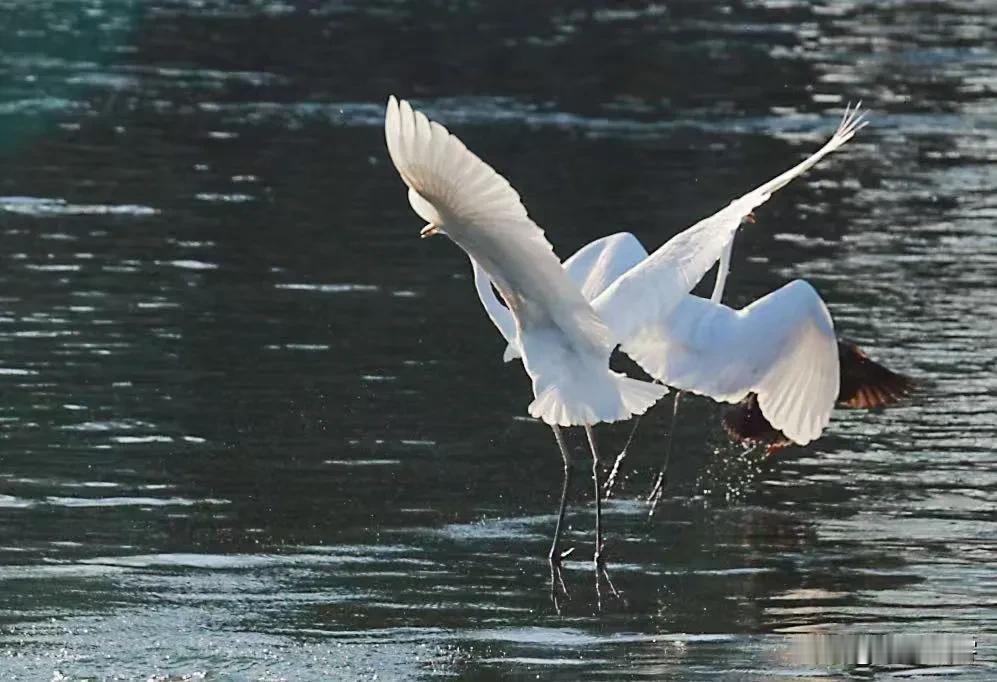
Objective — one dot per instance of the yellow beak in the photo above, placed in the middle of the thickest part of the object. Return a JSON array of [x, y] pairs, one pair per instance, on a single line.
[[428, 231]]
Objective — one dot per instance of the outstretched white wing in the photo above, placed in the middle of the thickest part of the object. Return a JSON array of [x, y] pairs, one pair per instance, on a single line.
[[650, 292], [565, 344], [782, 347], [479, 210], [593, 267], [600, 263]]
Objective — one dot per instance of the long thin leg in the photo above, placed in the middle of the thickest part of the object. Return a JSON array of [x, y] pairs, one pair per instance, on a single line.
[[555, 555], [598, 492], [611, 481], [662, 480], [598, 561], [597, 556]]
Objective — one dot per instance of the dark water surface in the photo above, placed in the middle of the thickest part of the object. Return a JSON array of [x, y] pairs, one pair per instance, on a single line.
[[253, 428]]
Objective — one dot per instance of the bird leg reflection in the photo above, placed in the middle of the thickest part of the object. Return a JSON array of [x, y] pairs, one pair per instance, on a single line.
[[659, 485], [556, 556]]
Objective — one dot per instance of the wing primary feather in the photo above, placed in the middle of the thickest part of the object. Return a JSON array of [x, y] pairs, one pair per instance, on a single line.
[[649, 292], [565, 345], [782, 348], [866, 383], [852, 122]]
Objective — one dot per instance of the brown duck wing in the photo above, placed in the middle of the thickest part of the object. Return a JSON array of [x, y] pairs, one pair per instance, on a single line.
[[745, 423], [866, 383]]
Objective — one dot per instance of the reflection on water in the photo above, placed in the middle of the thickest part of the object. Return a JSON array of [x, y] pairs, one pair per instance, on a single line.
[[253, 426]]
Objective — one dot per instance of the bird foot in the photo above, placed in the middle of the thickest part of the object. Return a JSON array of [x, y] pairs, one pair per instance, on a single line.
[[601, 573], [557, 576]]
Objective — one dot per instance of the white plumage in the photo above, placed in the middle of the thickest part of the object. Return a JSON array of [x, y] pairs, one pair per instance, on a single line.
[[593, 268], [782, 347], [647, 294], [564, 343]]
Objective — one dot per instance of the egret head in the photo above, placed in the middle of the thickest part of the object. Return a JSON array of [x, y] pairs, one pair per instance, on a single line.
[[429, 231]]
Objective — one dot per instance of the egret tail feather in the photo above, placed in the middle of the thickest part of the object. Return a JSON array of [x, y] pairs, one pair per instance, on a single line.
[[618, 399]]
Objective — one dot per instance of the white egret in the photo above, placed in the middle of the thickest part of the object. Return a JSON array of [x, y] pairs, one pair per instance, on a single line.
[[748, 423], [564, 343], [796, 387], [736, 344], [862, 382], [778, 358], [791, 366]]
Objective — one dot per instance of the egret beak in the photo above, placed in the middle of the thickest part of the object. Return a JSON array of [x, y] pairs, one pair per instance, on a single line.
[[428, 231], [750, 218]]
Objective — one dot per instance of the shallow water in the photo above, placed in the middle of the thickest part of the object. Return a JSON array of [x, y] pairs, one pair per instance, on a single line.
[[253, 428]]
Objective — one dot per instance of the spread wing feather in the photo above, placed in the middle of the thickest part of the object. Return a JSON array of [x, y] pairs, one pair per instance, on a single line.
[[451, 187], [782, 347], [565, 344], [648, 293]]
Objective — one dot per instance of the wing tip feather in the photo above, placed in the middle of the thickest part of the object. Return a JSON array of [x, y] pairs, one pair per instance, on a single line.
[[867, 384]]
